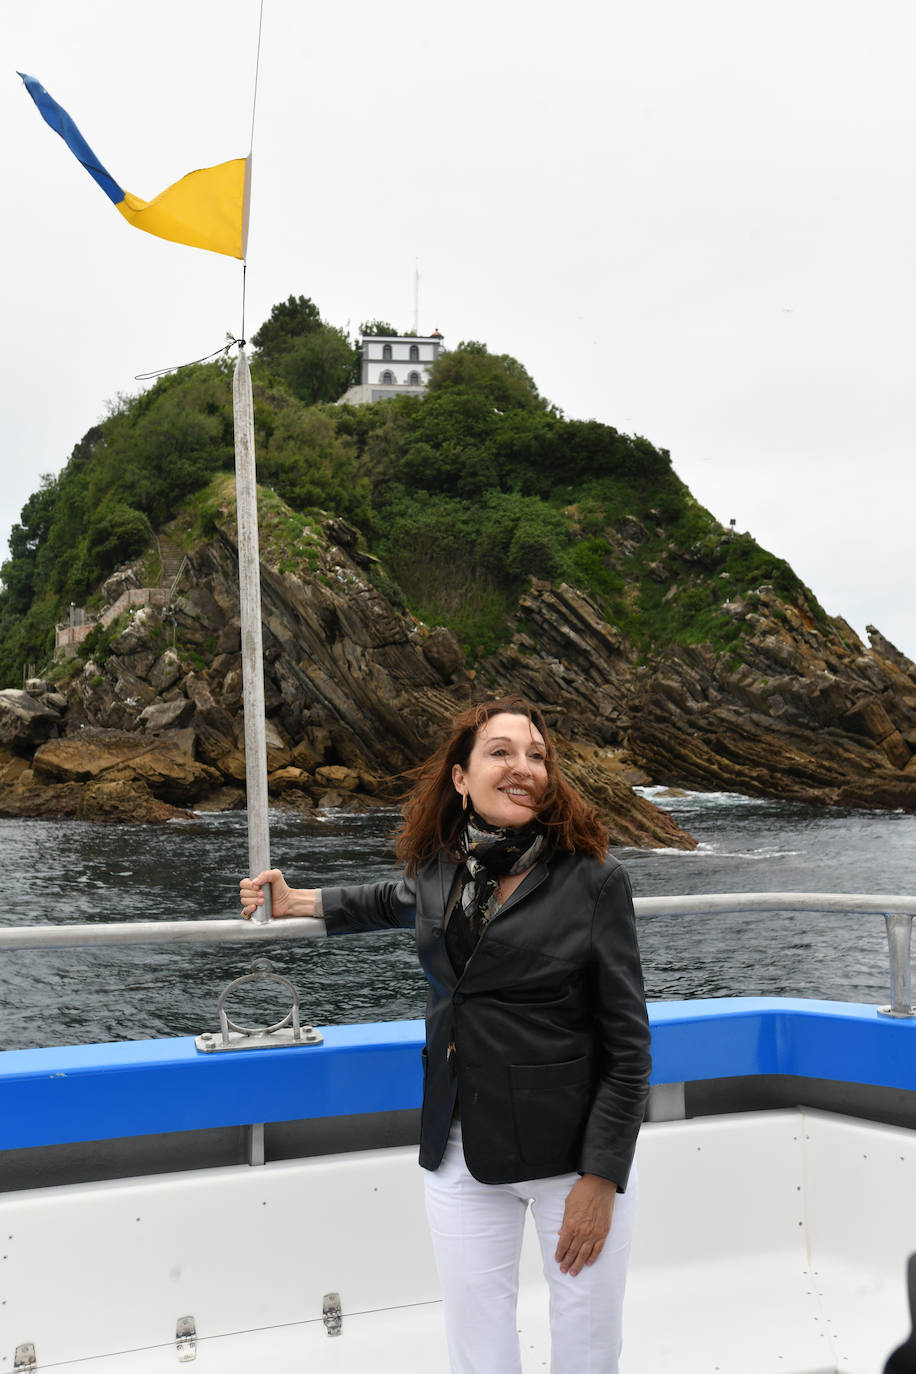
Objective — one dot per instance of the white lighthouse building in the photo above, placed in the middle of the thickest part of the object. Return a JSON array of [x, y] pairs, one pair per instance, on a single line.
[[393, 366]]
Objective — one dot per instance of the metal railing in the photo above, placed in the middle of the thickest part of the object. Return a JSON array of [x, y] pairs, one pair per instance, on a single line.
[[898, 912]]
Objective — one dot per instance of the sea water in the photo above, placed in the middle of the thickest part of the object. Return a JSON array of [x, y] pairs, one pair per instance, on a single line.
[[72, 872]]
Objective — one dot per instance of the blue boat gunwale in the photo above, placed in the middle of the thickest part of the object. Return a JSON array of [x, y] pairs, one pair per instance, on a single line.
[[67, 1094]]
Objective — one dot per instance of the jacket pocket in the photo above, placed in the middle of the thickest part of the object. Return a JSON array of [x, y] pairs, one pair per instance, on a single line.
[[551, 1103], [533, 997]]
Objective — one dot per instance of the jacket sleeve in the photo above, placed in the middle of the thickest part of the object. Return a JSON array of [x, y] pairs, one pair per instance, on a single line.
[[621, 1032], [370, 906]]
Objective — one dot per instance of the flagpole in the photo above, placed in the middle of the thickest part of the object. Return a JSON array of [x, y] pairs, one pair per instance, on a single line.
[[250, 617]]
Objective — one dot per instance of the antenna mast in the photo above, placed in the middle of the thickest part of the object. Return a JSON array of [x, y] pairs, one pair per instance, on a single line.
[[416, 297]]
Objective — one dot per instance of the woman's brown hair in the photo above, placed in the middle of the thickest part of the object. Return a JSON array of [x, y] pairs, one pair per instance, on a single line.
[[432, 812]]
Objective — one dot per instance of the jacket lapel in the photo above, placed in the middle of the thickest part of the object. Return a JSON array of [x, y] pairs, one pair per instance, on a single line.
[[435, 886], [528, 884], [531, 881], [446, 874], [434, 889]]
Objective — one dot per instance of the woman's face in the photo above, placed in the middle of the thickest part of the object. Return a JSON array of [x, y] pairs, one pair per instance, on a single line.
[[506, 771]]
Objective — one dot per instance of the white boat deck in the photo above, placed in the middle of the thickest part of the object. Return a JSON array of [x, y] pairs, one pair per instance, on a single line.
[[757, 1250]]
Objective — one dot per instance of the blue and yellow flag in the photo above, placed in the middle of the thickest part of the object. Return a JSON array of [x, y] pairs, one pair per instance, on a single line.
[[206, 209]]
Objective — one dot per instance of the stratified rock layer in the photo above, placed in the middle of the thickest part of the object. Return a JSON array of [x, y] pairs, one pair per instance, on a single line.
[[808, 716], [806, 712], [356, 694]]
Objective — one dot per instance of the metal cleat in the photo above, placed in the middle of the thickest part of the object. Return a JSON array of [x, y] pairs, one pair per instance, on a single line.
[[186, 1340], [284, 1034], [332, 1315]]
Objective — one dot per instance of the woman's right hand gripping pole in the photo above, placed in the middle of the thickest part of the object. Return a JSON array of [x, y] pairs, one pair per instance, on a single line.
[[285, 900]]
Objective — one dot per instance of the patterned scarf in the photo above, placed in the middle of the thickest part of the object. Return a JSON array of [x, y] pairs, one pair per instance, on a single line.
[[490, 852]]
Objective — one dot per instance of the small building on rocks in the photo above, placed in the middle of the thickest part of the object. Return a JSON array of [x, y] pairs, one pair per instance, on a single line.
[[393, 366]]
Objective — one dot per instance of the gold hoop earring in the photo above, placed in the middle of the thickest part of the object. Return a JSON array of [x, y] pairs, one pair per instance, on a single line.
[[464, 801]]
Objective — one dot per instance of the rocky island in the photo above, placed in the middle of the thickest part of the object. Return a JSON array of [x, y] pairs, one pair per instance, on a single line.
[[417, 555]]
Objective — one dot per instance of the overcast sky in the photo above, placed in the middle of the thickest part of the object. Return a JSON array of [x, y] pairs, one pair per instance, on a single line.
[[692, 219]]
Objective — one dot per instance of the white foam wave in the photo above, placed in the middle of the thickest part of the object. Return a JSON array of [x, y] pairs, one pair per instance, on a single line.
[[712, 851], [670, 798]]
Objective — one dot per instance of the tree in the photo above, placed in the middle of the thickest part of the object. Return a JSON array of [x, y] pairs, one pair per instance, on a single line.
[[26, 541], [287, 323], [309, 464], [378, 329], [115, 534], [318, 366], [315, 360], [521, 536], [167, 443], [499, 377]]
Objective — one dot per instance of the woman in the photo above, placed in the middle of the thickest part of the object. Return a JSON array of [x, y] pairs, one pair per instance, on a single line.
[[537, 1043]]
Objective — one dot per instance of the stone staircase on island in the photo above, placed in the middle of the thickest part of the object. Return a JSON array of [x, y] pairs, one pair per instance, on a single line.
[[171, 565]]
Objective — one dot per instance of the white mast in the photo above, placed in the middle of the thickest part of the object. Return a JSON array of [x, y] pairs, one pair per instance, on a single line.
[[250, 618]]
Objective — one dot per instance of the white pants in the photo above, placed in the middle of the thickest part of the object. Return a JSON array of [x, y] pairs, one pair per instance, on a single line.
[[477, 1238]]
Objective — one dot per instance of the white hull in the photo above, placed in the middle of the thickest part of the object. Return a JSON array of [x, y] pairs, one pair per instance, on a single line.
[[758, 1248]]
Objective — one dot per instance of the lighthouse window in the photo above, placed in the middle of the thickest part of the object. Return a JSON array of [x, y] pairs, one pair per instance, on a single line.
[[414, 353], [386, 353], [387, 378], [413, 379]]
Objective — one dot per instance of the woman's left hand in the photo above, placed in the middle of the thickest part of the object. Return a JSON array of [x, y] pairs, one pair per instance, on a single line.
[[586, 1222]]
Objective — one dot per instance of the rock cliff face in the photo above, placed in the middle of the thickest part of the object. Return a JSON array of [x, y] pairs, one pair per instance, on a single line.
[[356, 693], [808, 714]]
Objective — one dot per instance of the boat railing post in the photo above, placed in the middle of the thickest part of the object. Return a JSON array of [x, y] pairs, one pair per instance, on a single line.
[[250, 624], [256, 1144], [899, 939]]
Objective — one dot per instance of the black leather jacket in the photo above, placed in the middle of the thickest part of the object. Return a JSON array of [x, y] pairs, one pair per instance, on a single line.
[[544, 1037]]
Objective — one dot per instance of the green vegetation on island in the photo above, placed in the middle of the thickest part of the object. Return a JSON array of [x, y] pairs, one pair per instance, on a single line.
[[463, 495]]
